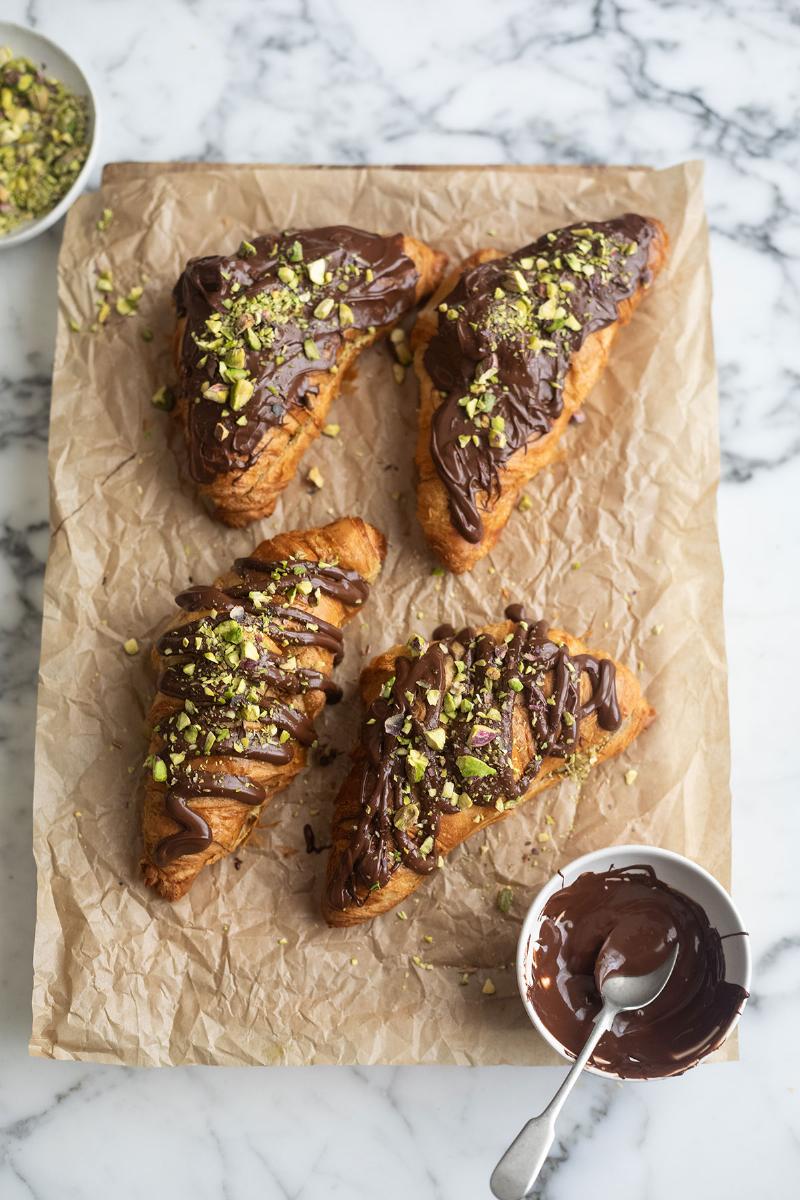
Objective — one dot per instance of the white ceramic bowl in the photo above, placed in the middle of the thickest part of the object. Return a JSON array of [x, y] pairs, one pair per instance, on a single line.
[[58, 64], [673, 869]]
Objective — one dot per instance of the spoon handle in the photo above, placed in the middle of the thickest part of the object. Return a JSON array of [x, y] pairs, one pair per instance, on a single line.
[[517, 1170]]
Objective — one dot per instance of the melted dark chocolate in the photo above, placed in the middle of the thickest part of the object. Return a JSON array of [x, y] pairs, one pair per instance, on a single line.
[[506, 336], [626, 921], [439, 739], [262, 323], [311, 841], [236, 690]]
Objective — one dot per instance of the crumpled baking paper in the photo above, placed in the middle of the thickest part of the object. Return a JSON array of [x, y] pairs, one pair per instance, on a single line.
[[620, 544]]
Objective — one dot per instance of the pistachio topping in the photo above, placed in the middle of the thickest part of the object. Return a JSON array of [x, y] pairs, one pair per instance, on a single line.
[[237, 684], [439, 739], [268, 321], [504, 345], [44, 140]]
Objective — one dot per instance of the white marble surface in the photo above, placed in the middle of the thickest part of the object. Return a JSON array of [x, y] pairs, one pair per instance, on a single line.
[[509, 81]]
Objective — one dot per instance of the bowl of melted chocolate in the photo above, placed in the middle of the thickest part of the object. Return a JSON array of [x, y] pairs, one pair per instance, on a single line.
[[621, 911]]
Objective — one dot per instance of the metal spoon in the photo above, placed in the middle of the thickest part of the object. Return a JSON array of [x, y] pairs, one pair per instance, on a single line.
[[515, 1174]]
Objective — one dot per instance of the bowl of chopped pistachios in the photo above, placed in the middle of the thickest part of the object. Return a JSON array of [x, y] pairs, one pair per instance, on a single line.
[[48, 133]]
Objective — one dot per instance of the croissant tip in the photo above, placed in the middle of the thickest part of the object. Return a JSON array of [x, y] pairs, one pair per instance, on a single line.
[[161, 883]]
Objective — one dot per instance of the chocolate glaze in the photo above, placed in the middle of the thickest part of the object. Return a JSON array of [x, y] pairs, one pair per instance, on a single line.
[[276, 314], [439, 739], [505, 339], [626, 921], [236, 690], [311, 841]]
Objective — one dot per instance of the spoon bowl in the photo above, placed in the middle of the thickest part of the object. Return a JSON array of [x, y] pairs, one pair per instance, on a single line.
[[627, 992]]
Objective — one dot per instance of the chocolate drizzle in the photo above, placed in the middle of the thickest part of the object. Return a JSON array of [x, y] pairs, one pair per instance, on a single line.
[[237, 691], [263, 323], [440, 737], [625, 921], [505, 339]]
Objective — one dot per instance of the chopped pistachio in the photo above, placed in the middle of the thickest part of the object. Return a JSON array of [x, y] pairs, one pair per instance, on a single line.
[[631, 776], [247, 250], [406, 816], [399, 372], [242, 392], [658, 629], [331, 431], [316, 270], [417, 764], [159, 770], [315, 477], [525, 503], [435, 738], [310, 349], [131, 646], [505, 898], [324, 308], [474, 768], [488, 988], [44, 140], [163, 398]]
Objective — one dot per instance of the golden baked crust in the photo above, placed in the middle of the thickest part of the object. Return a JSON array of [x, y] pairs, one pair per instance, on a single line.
[[357, 547], [238, 497], [594, 741], [586, 366]]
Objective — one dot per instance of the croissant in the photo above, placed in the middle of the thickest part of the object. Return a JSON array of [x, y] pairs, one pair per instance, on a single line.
[[243, 670], [458, 734], [506, 352], [264, 338]]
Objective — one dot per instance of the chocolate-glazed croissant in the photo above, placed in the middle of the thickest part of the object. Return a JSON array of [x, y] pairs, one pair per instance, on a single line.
[[243, 670], [506, 352], [263, 341], [458, 734]]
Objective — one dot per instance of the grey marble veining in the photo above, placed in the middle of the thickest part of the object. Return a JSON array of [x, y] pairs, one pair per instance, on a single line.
[[511, 81]]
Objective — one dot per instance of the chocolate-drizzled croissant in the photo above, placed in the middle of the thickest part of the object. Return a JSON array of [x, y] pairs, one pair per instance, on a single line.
[[506, 352], [243, 670], [264, 339], [458, 733]]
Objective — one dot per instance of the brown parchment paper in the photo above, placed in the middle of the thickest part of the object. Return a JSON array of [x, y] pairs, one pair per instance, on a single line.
[[621, 540]]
